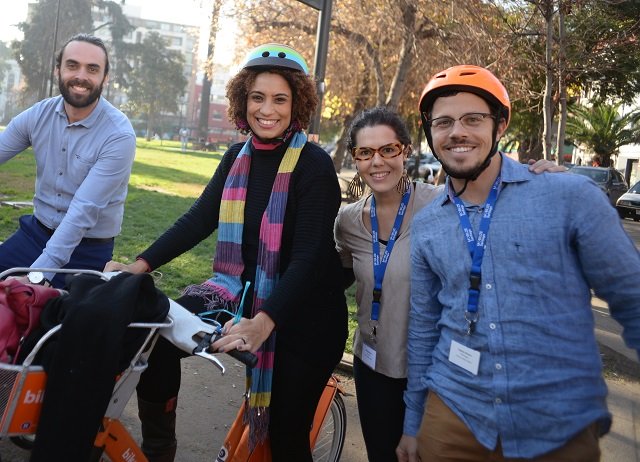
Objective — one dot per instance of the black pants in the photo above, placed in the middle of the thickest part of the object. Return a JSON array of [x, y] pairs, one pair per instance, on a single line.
[[381, 409], [295, 391]]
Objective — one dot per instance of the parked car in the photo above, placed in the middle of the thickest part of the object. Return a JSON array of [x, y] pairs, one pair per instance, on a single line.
[[609, 179], [629, 203], [428, 167]]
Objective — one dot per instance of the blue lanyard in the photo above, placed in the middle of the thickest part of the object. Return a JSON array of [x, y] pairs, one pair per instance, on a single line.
[[380, 264], [476, 249]]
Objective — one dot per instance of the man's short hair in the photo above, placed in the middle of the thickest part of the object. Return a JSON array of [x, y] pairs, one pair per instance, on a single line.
[[93, 40]]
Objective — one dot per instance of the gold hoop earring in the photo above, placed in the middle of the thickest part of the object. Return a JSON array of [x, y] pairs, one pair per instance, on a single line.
[[356, 187], [405, 182]]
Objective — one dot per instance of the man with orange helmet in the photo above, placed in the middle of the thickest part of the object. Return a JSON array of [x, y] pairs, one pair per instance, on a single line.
[[497, 368]]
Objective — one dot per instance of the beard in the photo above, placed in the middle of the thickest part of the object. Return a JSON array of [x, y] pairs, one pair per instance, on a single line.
[[461, 173], [79, 101], [469, 172]]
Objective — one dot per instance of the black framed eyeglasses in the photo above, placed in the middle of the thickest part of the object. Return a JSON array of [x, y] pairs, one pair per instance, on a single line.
[[388, 151], [470, 120]]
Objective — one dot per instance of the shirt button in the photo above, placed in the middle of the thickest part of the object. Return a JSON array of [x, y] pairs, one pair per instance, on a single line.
[[498, 366], [498, 401], [492, 326], [64, 149], [488, 287], [59, 173]]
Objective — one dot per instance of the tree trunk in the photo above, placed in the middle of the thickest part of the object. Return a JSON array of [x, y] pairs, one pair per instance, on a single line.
[[406, 55], [562, 88], [548, 89], [203, 122], [359, 105]]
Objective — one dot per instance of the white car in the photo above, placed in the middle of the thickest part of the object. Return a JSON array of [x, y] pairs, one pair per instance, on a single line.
[[428, 167], [628, 204]]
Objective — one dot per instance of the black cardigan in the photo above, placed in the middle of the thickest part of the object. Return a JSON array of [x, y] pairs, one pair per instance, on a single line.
[[308, 304]]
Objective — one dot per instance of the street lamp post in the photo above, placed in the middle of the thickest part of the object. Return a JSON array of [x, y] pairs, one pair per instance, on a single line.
[[320, 65], [53, 55]]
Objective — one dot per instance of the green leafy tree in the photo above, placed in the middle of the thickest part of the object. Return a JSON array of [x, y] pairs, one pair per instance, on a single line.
[[119, 27], [596, 55], [156, 81], [602, 128], [42, 39]]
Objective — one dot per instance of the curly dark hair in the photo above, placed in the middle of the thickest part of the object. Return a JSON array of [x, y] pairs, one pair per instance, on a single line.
[[305, 97]]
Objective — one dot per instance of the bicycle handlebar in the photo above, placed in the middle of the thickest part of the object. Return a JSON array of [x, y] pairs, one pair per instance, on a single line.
[[194, 336], [185, 330], [245, 357]]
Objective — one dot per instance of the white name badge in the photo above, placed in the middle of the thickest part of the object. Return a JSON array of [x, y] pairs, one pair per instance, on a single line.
[[464, 357], [369, 356]]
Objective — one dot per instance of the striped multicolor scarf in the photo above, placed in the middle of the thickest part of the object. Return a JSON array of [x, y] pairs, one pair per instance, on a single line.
[[224, 289]]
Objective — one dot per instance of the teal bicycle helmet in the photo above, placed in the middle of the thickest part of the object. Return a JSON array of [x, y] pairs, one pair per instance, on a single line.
[[272, 55]]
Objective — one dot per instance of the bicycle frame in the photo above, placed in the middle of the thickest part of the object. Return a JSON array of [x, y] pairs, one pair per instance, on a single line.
[[22, 386], [327, 397]]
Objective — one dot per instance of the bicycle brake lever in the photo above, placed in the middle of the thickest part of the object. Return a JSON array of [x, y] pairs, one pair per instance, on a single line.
[[245, 357], [202, 350]]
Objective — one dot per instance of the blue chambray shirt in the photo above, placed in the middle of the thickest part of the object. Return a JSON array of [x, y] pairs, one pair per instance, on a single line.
[[82, 172], [552, 238]]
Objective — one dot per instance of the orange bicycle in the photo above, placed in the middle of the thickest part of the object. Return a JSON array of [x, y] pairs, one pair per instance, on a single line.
[[22, 388]]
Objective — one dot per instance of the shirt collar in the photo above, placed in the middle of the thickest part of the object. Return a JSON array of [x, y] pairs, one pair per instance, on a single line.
[[87, 122], [511, 171]]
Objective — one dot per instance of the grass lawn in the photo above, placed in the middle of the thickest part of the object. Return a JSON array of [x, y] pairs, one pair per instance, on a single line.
[[164, 183]]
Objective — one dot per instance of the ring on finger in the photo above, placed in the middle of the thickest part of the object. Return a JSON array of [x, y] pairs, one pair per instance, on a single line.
[[244, 342]]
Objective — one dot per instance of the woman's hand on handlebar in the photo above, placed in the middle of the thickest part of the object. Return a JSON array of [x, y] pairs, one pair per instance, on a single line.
[[245, 335], [138, 266]]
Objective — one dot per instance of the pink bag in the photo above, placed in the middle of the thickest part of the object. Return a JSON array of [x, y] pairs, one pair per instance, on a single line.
[[20, 308]]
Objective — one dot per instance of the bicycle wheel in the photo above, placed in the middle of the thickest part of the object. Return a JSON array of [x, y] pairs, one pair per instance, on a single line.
[[24, 441], [331, 437]]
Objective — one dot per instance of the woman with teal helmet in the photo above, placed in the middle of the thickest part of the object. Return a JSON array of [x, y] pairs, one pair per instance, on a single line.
[[272, 55], [273, 200]]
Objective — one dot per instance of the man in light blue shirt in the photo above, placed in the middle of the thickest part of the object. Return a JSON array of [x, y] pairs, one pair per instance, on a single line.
[[84, 149], [502, 356]]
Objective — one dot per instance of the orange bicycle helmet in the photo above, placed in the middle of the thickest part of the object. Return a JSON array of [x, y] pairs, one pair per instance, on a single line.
[[470, 79], [467, 78]]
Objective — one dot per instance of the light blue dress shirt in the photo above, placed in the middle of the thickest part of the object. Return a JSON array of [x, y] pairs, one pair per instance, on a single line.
[[552, 238], [82, 173]]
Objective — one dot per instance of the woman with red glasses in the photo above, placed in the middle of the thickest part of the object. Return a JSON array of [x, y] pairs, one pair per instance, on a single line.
[[372, 237]]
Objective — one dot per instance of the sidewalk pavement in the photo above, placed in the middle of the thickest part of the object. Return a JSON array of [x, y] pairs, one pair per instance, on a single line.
[[622, 443]]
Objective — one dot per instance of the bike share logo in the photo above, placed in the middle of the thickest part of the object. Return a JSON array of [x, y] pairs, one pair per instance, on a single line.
[[222, 455], [33, 398], [129, 456]]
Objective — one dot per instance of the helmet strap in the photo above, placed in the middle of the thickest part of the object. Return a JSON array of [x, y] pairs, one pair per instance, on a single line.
[[474, 174]]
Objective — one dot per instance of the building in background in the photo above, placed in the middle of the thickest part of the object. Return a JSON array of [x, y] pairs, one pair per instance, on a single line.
[[182, 38], [221, 131], [10, 88]]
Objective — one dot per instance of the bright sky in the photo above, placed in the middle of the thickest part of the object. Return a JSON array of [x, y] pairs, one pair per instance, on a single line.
[[190, 12]]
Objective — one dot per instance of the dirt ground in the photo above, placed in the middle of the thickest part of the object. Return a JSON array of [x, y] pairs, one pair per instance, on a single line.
[[209, 401]]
